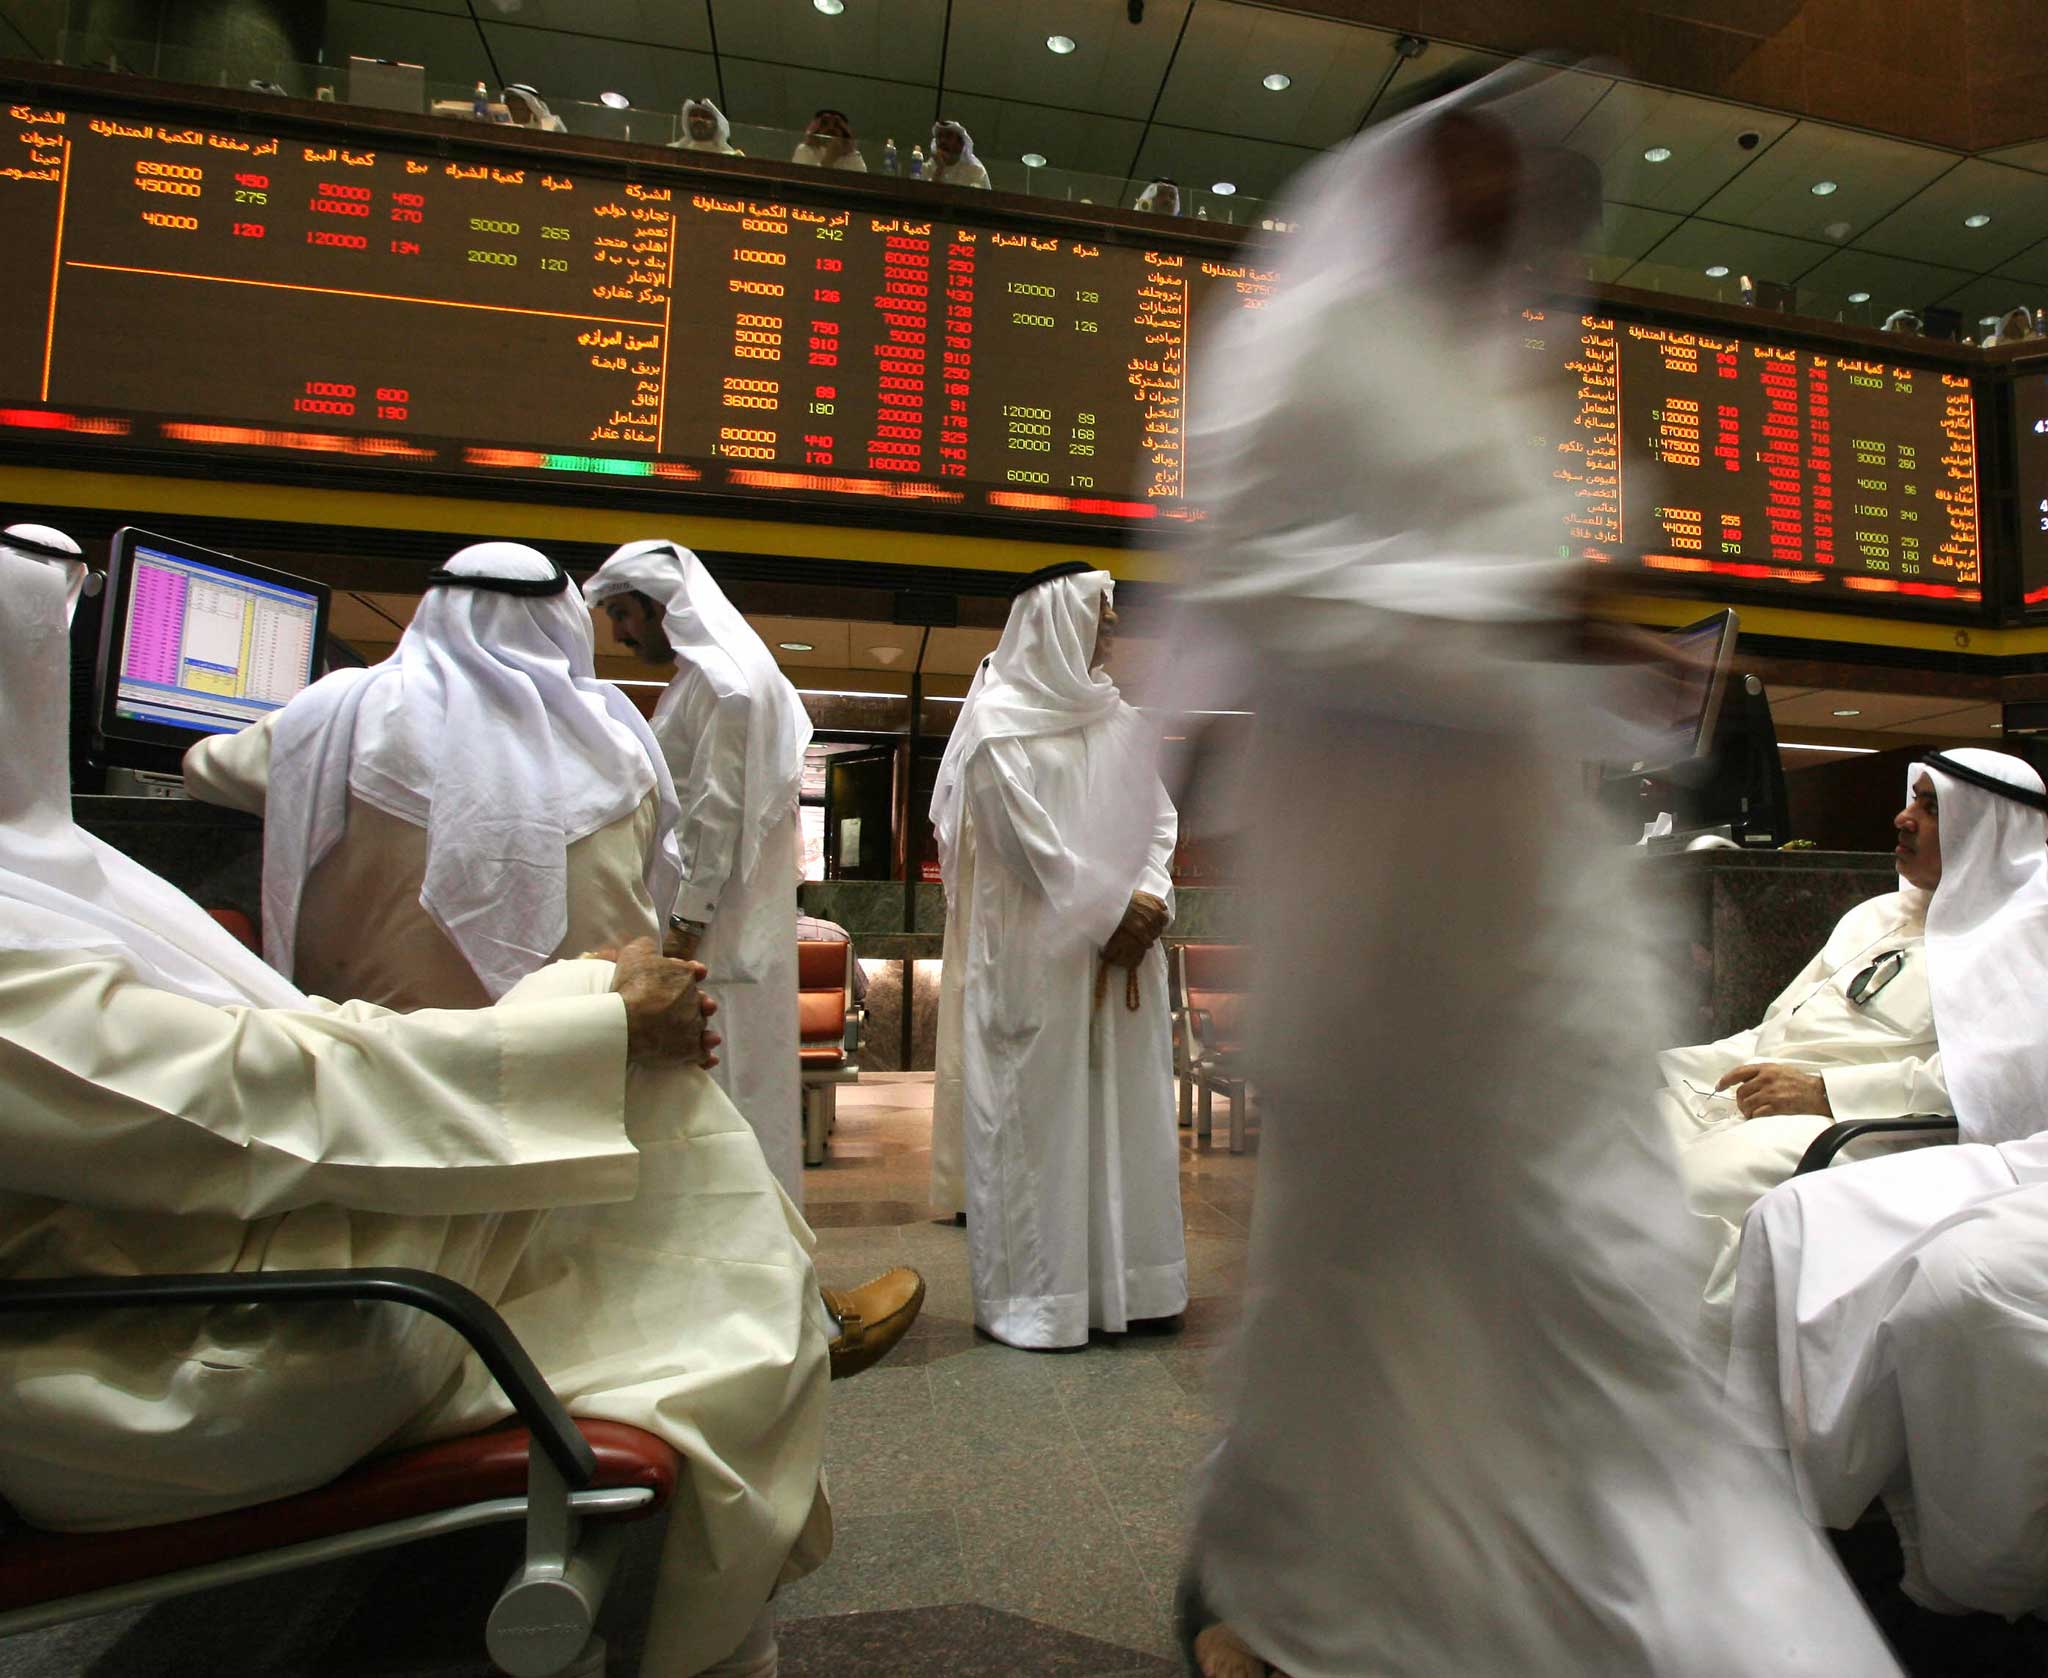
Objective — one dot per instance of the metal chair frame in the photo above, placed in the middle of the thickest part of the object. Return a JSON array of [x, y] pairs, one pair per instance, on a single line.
[[821, 1083], [1196, 1062]]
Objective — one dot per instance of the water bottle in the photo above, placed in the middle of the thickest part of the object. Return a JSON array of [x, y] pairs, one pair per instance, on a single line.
[[480, 103], [917, 163], [888, 157]]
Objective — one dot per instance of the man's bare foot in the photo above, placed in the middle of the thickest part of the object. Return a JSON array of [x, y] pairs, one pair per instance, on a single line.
[[1221, 1653]]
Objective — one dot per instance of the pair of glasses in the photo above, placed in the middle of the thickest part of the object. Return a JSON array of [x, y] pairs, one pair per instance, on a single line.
[[1876, 976]]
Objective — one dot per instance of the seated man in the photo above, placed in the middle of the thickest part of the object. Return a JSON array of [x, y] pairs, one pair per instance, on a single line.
[[175, 1105], [1858, 1034], [1887, 1316]]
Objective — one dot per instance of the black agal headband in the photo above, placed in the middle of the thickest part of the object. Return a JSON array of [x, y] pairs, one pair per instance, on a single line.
[[442, 577], [1989, 783]]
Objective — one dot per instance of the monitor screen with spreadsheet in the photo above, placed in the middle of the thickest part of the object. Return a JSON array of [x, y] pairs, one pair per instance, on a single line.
[[197, 642]]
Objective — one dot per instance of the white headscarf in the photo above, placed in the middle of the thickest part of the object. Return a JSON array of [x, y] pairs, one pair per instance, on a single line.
[[538, 114], [1160, 198], [1987, 946], [489, 728], [1039, 682], [721, 139], [60, 888], [964, 170], [708, 633], [2016, 326]]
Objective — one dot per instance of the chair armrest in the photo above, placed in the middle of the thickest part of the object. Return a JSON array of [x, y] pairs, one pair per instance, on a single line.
[[485, 1331], [856, 1019], [1836, 1137], [1200, 1026]]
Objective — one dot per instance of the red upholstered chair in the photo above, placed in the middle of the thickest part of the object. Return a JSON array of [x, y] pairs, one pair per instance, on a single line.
[[1210, 986], [240, 925], [828, 1035], [571, 1484]]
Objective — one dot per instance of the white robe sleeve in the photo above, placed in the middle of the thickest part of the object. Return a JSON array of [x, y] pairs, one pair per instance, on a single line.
[[712, 799], [1158, 875], [232, 769], [1888, 1089], [125, 1097], [1011, 823]]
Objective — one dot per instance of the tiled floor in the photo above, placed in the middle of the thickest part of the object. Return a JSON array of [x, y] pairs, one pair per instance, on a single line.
[[964, 1472], [1001, 1514]]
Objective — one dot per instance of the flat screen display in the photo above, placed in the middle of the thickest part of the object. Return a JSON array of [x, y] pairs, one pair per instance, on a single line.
[[1692, 451], [337, 302], [199, 646]]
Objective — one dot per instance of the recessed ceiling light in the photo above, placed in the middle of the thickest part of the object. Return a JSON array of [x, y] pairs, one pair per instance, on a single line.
[[1061, 44], [1822, 188], [831, 8], [1657, 154], [1223, 189], [1278, 82], [1034, 160], [617, 101], [1718, 272], [1851, 711], [796, 646], [1980, 219], [1859, 297]]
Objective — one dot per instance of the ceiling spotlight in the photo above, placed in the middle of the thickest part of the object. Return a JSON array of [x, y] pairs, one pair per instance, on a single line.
[[1859, 297], [1980, 219], [1851, 711], [1034, 160], [885, 654], [796, 646], [1223, 189], [617, 101], [1718, 272], [1061, 44], [831, 8], [1657, 154], [1278, 82], [1822, 188]]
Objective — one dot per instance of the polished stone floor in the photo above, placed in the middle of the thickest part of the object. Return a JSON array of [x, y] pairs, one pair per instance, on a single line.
[[1053, 1488], [1001, 1514]]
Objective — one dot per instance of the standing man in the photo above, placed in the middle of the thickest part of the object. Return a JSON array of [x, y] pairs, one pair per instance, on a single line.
[[734, 732], [1052, 1123]]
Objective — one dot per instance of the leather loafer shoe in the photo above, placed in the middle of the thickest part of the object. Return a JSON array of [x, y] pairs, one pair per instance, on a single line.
[[872, 1318]]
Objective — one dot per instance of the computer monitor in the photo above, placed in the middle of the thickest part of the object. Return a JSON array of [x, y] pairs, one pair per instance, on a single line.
[[1691, 695], [194, 642]]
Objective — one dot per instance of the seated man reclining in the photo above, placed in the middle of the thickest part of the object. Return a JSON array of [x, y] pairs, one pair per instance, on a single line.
[[1859, 1034]]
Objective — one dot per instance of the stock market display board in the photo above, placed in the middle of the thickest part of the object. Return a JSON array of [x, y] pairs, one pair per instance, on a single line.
[[1698, 451], [180, 288], [220, 291], [2030, 478]]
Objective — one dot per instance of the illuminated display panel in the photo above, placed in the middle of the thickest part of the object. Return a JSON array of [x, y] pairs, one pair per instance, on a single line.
[[194, 289], [189, 290], [1700, 452], [2030, 476]]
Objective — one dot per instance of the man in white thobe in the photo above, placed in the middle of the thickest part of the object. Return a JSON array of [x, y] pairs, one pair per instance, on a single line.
[[1464, 1431], [827, 143], [1052, 1120], [953, 162], [734, 732], [705, 129], [176, 1106], [1891, 1318], [1851, 1037], [478, 805]]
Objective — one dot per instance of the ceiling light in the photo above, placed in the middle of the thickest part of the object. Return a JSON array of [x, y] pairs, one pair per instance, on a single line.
[[1845, 751], [885, 654], [1657, 154], [1034, 160], [831, 8], [1278, 82], [1061, 44], [845, 693], [617, 101], [1822, 188], [1980, 219], [1859, 297], [1851, 711], [1223, 189], [1718, 272], [1987, 320], [1836, 230], [796, 646]]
